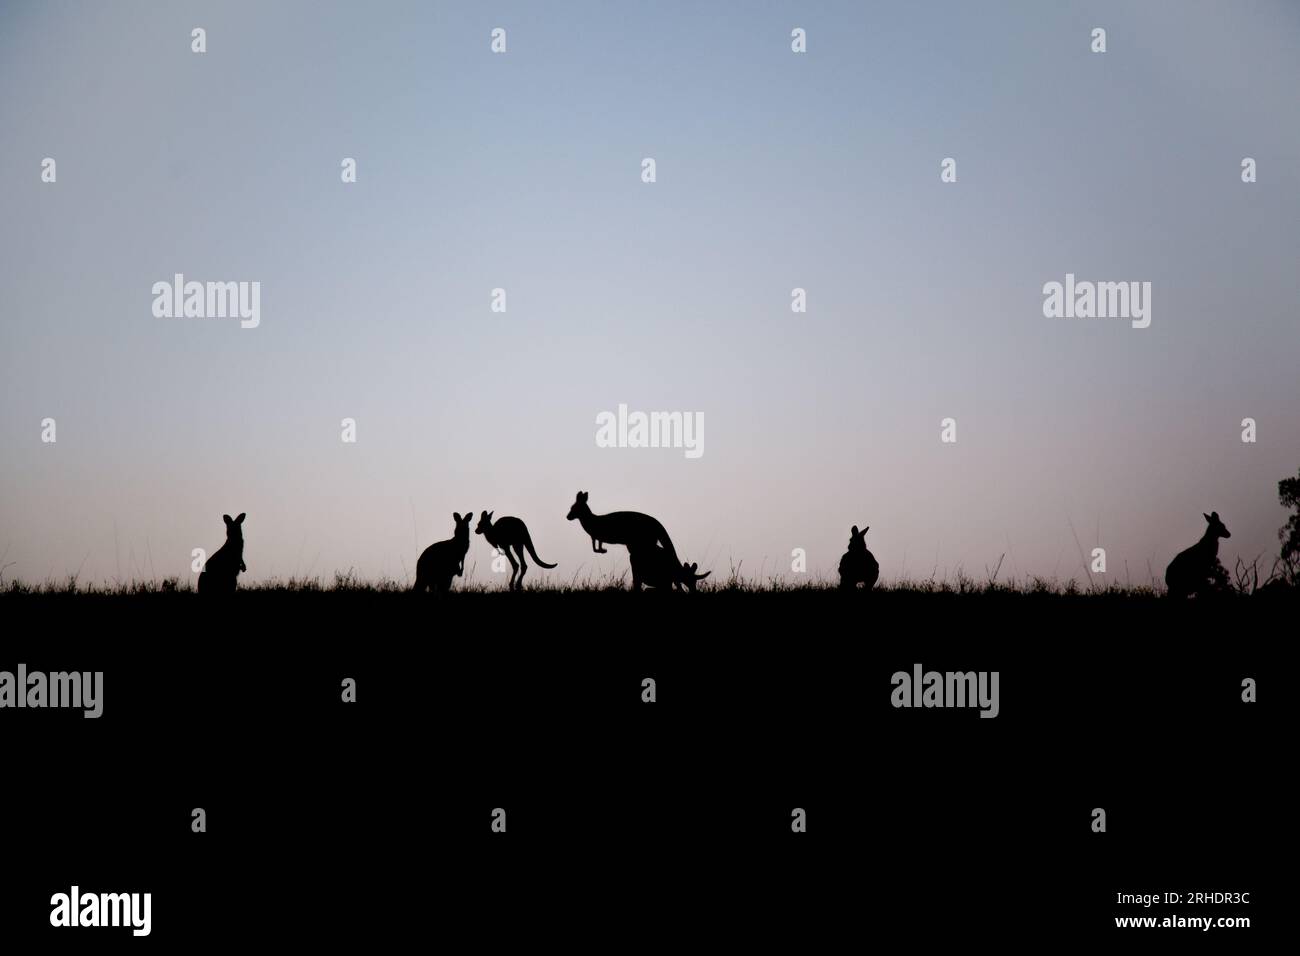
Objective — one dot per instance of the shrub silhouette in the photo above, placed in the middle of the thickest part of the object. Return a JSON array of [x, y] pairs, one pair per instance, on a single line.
[[1288, 493]]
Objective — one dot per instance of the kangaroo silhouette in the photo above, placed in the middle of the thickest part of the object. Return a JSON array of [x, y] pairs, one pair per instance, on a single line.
[[631, 528], [507, 533], [443, 560], [220, 571], [652, 566], [858, 566], [1197, 569]]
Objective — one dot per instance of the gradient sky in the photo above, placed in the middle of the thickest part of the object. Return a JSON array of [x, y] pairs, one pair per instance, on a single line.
[[522, 171]]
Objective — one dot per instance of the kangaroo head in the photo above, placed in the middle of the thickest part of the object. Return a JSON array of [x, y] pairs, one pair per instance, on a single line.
[[858, 539], [1215, 529], [484, 523], [689, 574], [462, 524], [580, 507], [234, 527]]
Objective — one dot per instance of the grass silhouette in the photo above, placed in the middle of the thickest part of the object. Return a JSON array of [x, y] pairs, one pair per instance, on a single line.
[[958, 585], [1245, 580]]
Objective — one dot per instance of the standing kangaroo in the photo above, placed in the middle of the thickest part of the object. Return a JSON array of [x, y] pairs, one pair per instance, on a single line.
[[220, 571], [631, 528], [1197, 569], [858, 566], [510, 533], [443, 560], [652, 567]]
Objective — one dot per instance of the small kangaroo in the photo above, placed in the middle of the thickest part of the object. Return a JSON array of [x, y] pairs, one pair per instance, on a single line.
[[443, 560], [1197, 569], [620, 527], [220, 571], [652, 567], [858, 566], [510, 533]]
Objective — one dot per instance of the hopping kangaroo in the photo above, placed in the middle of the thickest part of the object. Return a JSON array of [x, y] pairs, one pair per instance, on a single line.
[[631, 528], [510, 533], [652, 567], [1197, 569], [220, 571], [443, 560], [858, 566]]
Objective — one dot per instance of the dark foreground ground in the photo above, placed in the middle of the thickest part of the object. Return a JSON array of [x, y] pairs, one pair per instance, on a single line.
[[330, 821]]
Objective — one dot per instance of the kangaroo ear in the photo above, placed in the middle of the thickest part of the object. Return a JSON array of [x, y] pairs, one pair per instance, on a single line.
[[226, 519], [456, 515], [1205, 516], [1214, 515], [854, 532], [242, 516]]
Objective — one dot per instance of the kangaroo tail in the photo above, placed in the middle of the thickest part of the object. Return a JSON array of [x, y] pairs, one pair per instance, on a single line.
[[667, 542], [528, 543]]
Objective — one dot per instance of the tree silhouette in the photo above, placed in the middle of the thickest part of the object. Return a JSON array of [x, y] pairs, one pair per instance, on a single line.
[[1288, 492]]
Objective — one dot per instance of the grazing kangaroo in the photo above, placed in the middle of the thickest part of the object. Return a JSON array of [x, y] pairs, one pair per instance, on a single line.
[[620, 527], [220, 571], [1197, 569], [652, 567], [858, 566], [443, 560], [510, 533]]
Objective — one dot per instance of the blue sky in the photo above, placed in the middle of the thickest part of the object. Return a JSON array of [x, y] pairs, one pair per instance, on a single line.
[[522, 171]]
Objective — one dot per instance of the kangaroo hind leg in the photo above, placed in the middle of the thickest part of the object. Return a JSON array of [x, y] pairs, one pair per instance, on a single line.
[[523, 567]]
